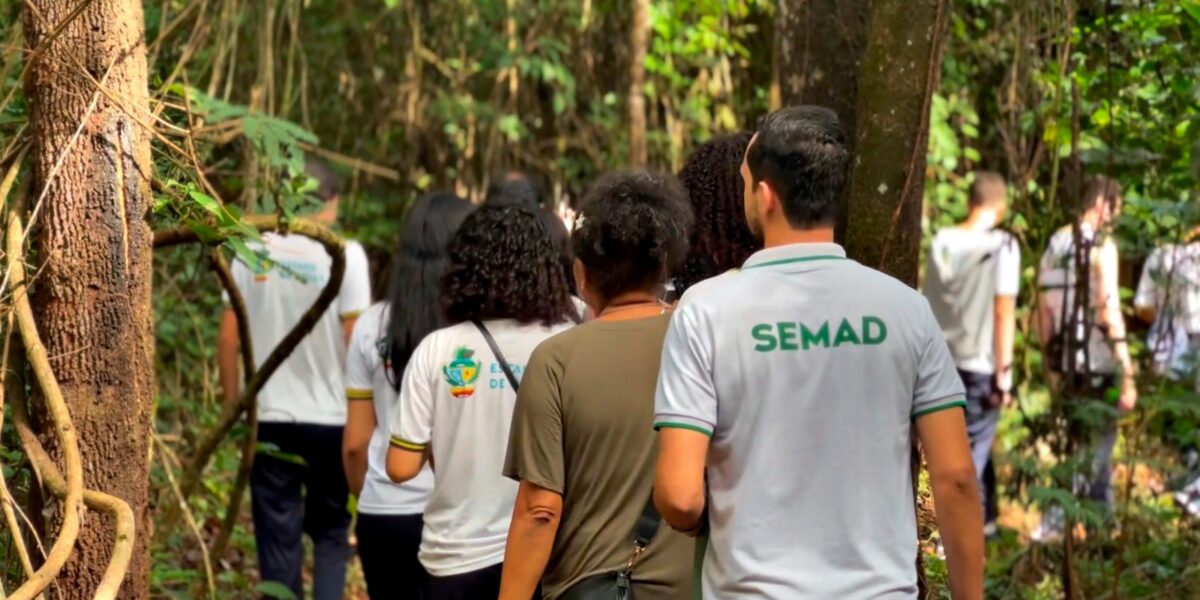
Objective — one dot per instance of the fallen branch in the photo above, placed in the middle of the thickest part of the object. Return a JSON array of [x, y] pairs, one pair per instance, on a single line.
[[238, 304], [56, 410], [229, 416], [187, 515]]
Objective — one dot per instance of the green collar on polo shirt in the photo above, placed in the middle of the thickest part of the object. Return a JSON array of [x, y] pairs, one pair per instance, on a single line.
[[794, 253]]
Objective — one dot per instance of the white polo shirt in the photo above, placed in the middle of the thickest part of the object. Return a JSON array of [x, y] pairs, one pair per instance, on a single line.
[[307, 387], [456, 401], [367, 381], [1170, 285], [807, 370], [1057, 273]]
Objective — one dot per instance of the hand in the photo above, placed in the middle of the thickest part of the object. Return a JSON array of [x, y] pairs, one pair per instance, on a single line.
[[1001, 398], [1129, 396]]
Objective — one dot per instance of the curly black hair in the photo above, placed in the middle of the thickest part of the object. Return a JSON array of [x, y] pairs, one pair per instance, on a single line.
[[720, 240], [504, 264], [632, 231]]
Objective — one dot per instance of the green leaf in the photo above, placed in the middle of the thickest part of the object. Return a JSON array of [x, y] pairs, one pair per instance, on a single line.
[[206, 233], [1192, 7], [274, 589]]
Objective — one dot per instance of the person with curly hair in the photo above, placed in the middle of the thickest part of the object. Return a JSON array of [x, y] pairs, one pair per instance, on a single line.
[[719, 241], [505, 292], [581, 444]]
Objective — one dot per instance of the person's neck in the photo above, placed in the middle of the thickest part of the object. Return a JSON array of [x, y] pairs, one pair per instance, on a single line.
[[630, 305], [786, 235], [979, 220], [1092, 219]]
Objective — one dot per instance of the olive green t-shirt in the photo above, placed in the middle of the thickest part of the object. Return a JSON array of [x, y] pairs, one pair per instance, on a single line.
[[583, 427]]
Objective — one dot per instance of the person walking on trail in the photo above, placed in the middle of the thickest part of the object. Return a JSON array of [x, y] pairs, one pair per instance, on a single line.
[[581, 445], [720, 241], [1085, 340], [794, 385], [297, 485], [389, 521], [971, 281], [505, 292], [1168, 297]]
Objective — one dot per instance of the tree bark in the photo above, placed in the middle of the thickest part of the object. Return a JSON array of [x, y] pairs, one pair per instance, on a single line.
[[818, 51], [91, 173], [639, 40], [900, 73]]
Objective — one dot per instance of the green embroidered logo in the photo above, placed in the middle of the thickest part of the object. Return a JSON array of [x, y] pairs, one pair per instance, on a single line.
[[790, 336]]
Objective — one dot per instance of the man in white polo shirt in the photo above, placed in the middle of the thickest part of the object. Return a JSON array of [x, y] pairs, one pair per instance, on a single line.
[[302, 407], [794, 384], [971, 281]]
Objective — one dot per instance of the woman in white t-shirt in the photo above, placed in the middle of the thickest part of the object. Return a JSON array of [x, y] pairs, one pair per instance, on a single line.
[[389, 515], [505, 289]]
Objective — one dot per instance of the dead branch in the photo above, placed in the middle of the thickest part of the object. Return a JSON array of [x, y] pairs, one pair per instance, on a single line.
[[56, 409], [187, 514], [335, 246]]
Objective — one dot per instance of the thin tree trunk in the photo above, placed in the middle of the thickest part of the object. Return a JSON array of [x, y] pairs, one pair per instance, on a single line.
[[639, 40], [818, 50], [90, 197]]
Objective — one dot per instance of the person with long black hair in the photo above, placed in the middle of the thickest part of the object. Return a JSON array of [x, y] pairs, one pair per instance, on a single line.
[[505, 291], [389, 515]]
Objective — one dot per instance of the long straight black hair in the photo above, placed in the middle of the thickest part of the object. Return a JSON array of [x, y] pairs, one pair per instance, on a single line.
[[414, 289]]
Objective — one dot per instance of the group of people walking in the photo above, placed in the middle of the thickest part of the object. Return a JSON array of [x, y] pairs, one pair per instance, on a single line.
[[640, 405]]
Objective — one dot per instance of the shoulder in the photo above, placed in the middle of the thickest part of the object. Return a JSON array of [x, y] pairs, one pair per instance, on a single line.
[[711, 289], [372, 319]]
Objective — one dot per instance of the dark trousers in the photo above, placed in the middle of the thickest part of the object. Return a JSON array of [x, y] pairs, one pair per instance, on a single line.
[[1098, 441], [387, 546], [982, 419], [290, 499], [484, 583]]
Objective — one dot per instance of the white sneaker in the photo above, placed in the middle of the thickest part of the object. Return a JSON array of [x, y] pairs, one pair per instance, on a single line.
[[1051, 527], [990, 529]]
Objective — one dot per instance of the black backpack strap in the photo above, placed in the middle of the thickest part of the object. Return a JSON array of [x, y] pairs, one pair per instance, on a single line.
[[647, 523], [491, 342]]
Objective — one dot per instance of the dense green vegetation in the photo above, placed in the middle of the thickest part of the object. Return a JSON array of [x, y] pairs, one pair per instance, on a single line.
[[407, 96]]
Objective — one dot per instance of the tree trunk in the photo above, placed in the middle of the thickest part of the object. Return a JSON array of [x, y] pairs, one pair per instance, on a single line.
[[819, 48], [91, 173], [899, 75], [639, 40]]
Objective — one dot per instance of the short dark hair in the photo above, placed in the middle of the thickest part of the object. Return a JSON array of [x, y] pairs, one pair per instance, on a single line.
[[800, 151], [512, 193], [329, 183], [504, 265], [1096, 189], [632, 231], [720, 239], [985, 188]]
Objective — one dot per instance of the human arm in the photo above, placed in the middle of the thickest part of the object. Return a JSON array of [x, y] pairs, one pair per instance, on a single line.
[[410, 425], [943, 436], [354, 297], [685, 416], [1148, 298], [356, 441], [536, 516], [1004, 310], [1112, 322], [228, 366], [679, 478]]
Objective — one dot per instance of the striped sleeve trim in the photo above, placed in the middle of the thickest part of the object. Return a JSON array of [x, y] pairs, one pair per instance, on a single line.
[[406, 445], [354, 314], [676, 425], [932, 409], [359, 394]]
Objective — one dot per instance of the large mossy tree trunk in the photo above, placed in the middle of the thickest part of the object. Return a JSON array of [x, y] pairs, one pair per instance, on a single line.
[[818, 54], [899, 75], [91, 175]]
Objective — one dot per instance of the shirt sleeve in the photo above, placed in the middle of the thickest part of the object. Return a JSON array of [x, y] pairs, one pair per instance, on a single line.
[[355, 295], [358, 365], [1008, 267], [1148, 293], [1109, 289], [938, 385], [411, 426], [535, 450], [686, 397]]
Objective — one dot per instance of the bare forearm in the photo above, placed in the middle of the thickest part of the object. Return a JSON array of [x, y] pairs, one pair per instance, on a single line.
[[960, 520], [1005, 334], [228, 371], [530, 540], [354, 462]]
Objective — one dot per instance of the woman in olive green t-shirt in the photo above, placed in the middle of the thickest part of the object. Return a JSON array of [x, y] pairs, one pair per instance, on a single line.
[[582, 443]]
